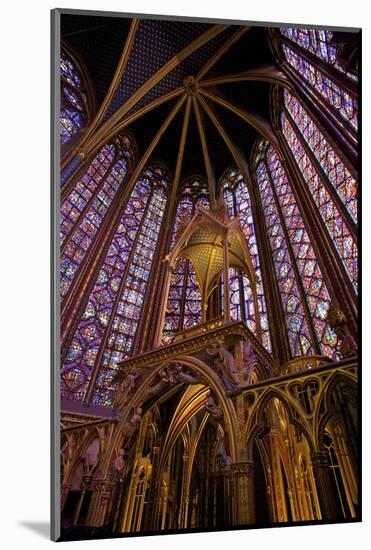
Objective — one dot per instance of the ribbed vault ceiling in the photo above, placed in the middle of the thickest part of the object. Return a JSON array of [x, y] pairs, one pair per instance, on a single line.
[[142, 68]]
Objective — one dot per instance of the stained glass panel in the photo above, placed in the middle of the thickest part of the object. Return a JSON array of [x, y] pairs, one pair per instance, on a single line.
[[73, 109], [112, 312], [319, 42], [336, 226], [341, 101], [297, 326], [192, 300], [82, 236], [69, 71], [184, 209], [337, 173], [235, 302], [241, 204], [183, 309], [75, 204], [129, 306], [317, 295], [70, 124]]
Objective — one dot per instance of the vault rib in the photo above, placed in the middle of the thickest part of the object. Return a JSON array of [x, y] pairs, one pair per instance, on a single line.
[[112, 122], [205, 151]]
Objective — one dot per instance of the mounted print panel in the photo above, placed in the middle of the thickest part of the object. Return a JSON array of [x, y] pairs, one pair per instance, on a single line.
[[206, 275]]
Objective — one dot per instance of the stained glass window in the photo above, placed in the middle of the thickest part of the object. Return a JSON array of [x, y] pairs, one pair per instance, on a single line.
[[235, 298], [316, 292], [84, 209], [238, 201], [319, 42], [184, 209], [74, 205], [339, 99], [297, 325], [334, 221], [337, 173], [183, 309], [241, 303], [173, 321], [73, 107], [106, 332]]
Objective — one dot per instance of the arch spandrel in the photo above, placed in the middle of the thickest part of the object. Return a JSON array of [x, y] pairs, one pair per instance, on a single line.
[[296, 417], [324, 410], [195, 372], [225, 381]]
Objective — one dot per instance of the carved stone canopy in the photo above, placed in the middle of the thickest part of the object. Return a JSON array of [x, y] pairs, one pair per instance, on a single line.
[[202, 241]]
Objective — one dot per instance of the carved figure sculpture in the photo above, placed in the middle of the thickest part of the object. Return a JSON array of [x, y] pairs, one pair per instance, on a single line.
[[338, 323], [137, 417], [213, 409], [250, 361], [92, 454], [222, 455], [226, 366], [130, 427], [119, 462], [171, 374], [183, 375], [127, 385]]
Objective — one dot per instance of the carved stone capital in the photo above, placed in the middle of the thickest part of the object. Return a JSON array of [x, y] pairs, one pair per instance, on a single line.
[[101, 485], [243, 469], [65, 488], [85, 482], [320, 459]]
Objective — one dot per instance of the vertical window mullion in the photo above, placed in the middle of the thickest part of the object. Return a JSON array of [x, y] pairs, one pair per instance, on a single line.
[[294, 264]]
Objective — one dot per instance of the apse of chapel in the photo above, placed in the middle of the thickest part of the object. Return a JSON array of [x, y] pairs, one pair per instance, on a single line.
[[209, 277]]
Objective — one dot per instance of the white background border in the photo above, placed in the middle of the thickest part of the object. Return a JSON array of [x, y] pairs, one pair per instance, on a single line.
[[25, 267]]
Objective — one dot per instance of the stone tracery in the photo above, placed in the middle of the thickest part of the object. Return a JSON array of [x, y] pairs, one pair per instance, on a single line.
[[210, 340]]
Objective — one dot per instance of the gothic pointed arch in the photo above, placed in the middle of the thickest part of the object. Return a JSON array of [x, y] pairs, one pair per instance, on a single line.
[[208, 276], [184, 309], [238, 201], [78, 101], [106, 329]]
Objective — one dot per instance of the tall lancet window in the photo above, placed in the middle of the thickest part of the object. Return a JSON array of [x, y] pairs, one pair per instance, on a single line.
[[105, 334], [73, 115], [334, 168], [343, 104], [319, 42], [238, 201], [85, 207], [305, 296], [184, 309], [297, 125]]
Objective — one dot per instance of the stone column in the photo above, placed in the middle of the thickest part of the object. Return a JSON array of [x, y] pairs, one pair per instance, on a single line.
[[99, 503], [151, 512], [85, 484], [228, 504], [227, 314], [184, 500], [322, 473], [163, 302], [65, 489], [243, 507], [117, 495], [270, 495]]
